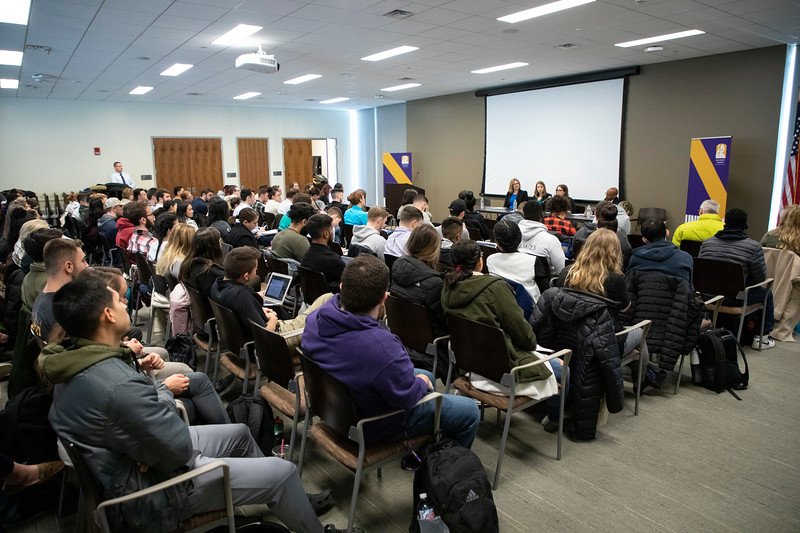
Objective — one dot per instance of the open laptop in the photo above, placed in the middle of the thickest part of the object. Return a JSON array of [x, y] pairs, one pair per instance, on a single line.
[[277, 289]]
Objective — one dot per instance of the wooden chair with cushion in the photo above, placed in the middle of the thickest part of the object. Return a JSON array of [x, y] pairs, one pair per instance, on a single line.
[[470, 343], [312, 284], [236, 352], [341, 433], [284, 388], [205, 328], [93, 508], [411, 322], [724, 278]]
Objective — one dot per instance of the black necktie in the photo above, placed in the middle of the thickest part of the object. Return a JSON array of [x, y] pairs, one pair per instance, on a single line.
[[122, 178]]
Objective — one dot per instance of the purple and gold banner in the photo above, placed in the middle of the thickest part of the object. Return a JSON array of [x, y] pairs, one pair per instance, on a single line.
[[709, 162], [397, 167]]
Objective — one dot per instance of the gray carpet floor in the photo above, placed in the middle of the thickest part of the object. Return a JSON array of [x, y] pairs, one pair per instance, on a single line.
[[697, 461]]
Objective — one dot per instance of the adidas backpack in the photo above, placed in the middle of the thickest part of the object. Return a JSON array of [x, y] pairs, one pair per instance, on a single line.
[[457, 488]]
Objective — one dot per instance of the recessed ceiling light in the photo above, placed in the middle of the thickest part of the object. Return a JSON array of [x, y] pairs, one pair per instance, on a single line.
[[543, 10], [141, 89], [238, 36], [177, 69], [9, 84], [507, 66], [660, 38], [390, 53], [654, 49], [401, 87], [10, 57], [335, 100], [302, 79], [15, 11], [245, 96]]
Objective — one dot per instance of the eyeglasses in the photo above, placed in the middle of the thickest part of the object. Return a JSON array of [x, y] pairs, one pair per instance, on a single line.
[[559, 189]]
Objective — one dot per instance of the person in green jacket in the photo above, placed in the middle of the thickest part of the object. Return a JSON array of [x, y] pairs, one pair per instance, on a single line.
[[488, 299], [701, 229], [36, 277]]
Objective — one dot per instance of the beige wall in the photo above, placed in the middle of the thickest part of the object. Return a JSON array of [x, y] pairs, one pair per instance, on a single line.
[[667, 104]]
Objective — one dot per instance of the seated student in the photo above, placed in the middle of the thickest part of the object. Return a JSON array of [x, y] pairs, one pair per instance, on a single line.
[[299, 198], [605, 216], [274, 199], [488, 299], [290, 243], [369, 236], [421, 203], [185, 214], [660, 255], [536, 240], [410, 218], [319, 256], [557, 221], [516, 216], [202, 266], [732, 244], [407, 200], [473, 219], [162, 228], [286, 204], [336, 221], [337, 194], [511, 263], [415, 278], [706, 226], [345, 339], [114, 414], [218, 215], [451, 232], [36, 278], [241, 233], [356, 214], [787, 235], [458, 209]]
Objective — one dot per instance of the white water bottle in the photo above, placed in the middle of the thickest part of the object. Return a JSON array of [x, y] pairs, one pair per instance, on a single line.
[[514, 205], [424, 509], [482, 203]]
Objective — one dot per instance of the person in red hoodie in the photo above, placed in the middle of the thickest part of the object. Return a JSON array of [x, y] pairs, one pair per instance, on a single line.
[[124, 225]]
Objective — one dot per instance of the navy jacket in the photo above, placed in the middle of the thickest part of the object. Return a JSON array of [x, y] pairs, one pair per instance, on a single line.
[[664, 257]]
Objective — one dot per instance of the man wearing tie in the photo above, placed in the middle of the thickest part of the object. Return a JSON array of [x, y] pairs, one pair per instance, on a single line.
[[120, 177]]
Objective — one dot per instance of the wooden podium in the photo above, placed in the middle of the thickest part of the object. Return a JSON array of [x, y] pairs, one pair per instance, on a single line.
[[393, 193]]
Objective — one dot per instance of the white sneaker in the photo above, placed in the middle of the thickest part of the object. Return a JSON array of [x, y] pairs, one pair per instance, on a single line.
[[766, 343]]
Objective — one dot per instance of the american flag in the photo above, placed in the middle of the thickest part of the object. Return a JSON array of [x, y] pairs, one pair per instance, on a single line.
[[791, 182]]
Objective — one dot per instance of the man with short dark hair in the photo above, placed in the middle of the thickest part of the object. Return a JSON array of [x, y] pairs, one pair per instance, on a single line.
[[290, 243], [120, 177], [370, 236], [248, 199], [536, 240], [337, 193], [177, 190], [660, 255], [162, 195], [36, 278], [63, 261], [410, 218], [234, 292], [319, 256], [200, 204], [274, 199], [421, 203], [458, 209], [260, 203], [346, 340], [140, 240], [132, 439], [452, 231]]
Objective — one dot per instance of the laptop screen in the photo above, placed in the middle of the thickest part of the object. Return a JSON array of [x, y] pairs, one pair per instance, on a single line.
[[277, 287]]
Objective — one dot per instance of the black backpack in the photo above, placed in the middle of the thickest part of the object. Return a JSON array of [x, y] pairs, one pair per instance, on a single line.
[[457, 488], [256, 414], [27, 435], [718, 351], [181, 350]]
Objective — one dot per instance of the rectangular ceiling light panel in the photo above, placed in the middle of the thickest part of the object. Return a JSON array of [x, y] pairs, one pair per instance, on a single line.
[[177, 69], [390, 53], [302, 79], [660, 38], [540, 11], [15, 11], [141, 89], [245, 96], [238, 36], [335, 100], [10, 57], [498, 68], [400, 87], [9, 84]]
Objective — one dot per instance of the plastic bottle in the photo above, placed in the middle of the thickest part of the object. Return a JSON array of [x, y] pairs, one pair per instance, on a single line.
[[424, 509], [277, 430], [482, 203], [514, 205]]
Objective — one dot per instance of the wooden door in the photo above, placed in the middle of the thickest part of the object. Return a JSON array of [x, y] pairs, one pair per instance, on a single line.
[[253, 163], [297, 162], [193, 162]]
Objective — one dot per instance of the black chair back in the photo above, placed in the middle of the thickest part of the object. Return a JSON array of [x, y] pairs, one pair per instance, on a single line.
[[636, 241], [336, 247], [478, 347], [144, 268], [172, 281], [126, 260], [231, 335], [356, 249], [347, 233], [575, 249], [276, 265], [409, 321], [389, 260], [328, 398], [312, 284], [160, 285], [541, 273], [267, 219], [646, 213], [712, 276], [273, 354], [262, 268], [474, 233], [691, 247], [90, 488], [200, 308]]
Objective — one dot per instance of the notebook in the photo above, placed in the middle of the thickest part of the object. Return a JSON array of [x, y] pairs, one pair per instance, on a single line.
[[277, 289]]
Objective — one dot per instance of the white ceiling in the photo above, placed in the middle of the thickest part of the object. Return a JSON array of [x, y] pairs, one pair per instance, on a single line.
[[101, 49]]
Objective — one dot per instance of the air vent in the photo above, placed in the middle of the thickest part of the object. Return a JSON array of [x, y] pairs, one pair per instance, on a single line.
[[192, 94], [38, 48], [406, 78], [310, 99], [567, 46], [398, 14]]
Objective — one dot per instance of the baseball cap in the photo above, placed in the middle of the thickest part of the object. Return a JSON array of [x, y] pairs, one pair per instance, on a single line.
[[112, 202], [457, 207]]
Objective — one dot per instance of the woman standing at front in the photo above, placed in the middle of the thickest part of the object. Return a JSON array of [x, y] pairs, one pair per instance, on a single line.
[[515, 195]]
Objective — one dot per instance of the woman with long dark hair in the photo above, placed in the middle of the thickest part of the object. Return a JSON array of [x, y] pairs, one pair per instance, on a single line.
[[202, 266], [218, 215]]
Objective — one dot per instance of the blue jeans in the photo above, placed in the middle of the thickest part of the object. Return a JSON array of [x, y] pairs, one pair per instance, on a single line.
[[459, 418], [553, 402], [756, 296]]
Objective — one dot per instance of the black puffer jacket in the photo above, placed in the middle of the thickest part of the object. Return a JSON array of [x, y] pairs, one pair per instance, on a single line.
[[415, 281], [582, 322], [669, 303], [734, 246]]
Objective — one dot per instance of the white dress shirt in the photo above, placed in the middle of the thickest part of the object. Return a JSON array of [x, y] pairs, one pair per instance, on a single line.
[[121, 177]]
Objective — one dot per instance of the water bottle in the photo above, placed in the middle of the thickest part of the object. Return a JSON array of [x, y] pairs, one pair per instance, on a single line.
[[482, 203], [514, 205], [424, 509], [277, 430]]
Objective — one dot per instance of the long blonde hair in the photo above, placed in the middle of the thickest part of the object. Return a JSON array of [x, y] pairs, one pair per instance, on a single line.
[[600, 255], [178, 247], [789, 229]]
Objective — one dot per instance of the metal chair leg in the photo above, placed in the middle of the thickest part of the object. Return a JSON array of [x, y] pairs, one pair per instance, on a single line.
[[354, 498], [644, 359], [503, 441], [680, 373]]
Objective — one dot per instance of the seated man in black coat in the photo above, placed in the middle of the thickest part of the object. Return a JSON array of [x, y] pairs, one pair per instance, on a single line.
[[319, 257], [242, 233], [234, 292]]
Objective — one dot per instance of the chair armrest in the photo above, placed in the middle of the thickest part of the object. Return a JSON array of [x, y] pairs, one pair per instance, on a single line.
[[508, 378], [767, 283], [205, 469], [354, 431], [435, 342], [715, 300], [644, 325]]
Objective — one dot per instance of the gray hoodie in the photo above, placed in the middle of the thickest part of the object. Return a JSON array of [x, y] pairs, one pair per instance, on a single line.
[[370, 238], [536, 240]]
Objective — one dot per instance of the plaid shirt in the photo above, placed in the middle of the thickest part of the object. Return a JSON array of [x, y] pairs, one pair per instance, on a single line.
[[260, 207], [562, 226], [141, 241]]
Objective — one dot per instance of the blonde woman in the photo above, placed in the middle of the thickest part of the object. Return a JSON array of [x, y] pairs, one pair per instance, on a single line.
[[177, 248], [515, 195], [785, 236]]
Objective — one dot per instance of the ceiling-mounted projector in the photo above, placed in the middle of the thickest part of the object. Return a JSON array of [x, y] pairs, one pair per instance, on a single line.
[[258, 62]]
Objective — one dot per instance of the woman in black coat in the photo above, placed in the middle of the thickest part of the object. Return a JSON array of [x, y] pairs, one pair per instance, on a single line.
[[515, 194]]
